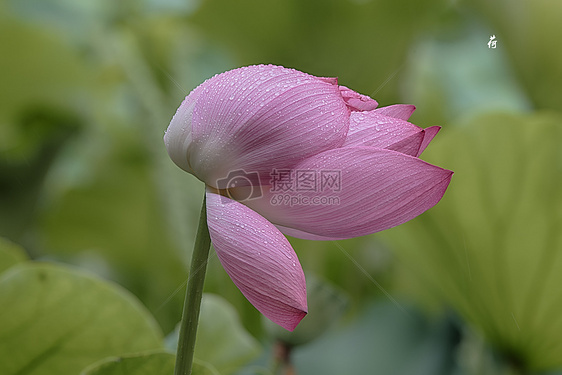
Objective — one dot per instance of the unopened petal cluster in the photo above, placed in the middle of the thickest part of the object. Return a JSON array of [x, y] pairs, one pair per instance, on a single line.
[[250, 133]]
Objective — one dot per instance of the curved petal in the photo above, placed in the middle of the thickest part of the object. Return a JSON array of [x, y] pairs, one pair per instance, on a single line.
[[178, 135], [376, 130], [258, 259], [399, 111], [376, 189], [261, 117], [429, 134], [356, 101]]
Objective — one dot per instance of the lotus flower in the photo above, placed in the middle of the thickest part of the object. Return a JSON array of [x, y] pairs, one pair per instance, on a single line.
[[250, 133]]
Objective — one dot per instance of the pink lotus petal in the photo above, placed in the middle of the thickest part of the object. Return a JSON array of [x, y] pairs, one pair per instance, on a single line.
[[258, 259], [429, 134], [379, 189], [178, 135], [399, 111], [356, 101], [305, 235], [330, 80], [261, 117], [376, 130]]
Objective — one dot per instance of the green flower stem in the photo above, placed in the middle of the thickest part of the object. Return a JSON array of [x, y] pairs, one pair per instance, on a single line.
[[192, 303]]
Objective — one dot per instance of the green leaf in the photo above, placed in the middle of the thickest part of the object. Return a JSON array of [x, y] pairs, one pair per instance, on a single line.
[[10, 254], [151, 363], [125, 225], [383, 339], [492, 248], [57, 320], [221, 340]]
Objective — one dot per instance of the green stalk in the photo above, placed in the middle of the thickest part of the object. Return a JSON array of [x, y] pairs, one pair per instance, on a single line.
[[192, 303]]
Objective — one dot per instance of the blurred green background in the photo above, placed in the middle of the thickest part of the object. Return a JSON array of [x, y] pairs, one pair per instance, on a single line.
[[473, 286]]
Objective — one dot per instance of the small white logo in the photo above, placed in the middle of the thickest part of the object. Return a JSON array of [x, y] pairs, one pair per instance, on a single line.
[[492, 42]]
